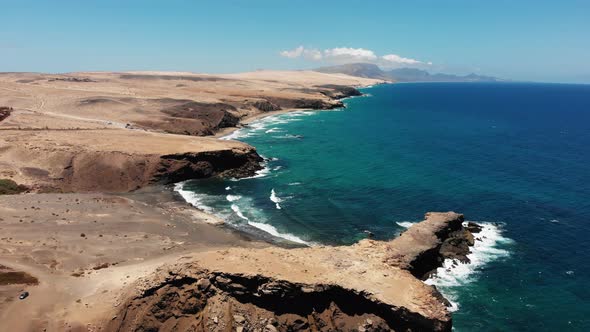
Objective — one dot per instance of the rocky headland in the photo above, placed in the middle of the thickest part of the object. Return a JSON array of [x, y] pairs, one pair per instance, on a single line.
[[369, 286]]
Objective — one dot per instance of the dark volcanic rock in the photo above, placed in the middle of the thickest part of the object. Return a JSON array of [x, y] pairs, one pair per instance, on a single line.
[[258, 303], [265, 106], [5, 112], [215, 114], [122, 172], [72, 79], [473, 227], [421, 253], [456, 246], [225, 163], [193, 118], [339, 91], [305, 103]]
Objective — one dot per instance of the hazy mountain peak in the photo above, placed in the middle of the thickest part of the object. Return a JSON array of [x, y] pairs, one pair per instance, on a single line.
[[406, 74]]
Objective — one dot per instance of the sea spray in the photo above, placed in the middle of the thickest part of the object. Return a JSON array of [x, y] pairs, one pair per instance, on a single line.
[[405, 224], [236, 216], [193, 198], [489, 245], [261, 126], [275, 199]]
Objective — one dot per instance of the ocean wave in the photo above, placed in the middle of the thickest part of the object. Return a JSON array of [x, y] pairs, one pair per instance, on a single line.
[[232, 198], [405, 224], [195, 199], [290, 136], [238, 212], [453, 273], [259, 174], [275, 199], [266, 125], [267, 228], [235, 135], [274, 232], [272, 130]]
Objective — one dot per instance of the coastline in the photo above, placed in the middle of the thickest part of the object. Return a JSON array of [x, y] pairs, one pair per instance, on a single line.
[[226, 134], [91, 251]]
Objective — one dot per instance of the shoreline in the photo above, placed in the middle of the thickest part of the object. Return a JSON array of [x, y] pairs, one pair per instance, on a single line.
[[91, 251], [225, 134]]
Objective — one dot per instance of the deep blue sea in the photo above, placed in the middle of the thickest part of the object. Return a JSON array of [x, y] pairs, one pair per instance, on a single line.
[[513, 156]]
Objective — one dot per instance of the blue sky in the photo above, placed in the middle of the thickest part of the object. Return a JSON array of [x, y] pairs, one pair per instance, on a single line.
[[522, 40]]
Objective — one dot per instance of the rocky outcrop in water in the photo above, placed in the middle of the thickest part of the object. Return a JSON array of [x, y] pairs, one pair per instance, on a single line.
[[423, 247]]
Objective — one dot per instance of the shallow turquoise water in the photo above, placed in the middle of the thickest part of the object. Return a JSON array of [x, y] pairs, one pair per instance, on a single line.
[[513, 156]]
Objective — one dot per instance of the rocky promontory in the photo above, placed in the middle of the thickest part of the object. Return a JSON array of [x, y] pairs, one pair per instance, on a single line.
[[369, 286], [117, 160]]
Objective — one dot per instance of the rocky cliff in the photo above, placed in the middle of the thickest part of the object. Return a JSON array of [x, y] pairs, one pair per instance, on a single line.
[[120, 172], [369, 286], [117, 160]]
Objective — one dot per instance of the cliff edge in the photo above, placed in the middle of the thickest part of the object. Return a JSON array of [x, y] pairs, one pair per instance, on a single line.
[[369, 286]]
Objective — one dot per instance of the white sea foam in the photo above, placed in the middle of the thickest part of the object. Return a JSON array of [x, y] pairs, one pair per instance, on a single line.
[[228, 188], [454, 273], [275, 199], [267, 228], [193, 198], [259, 174], [266, 125], [404, 224], [236, 134], [273, 231], [232, 198], [238, 212], [295, 183], [197, 200]]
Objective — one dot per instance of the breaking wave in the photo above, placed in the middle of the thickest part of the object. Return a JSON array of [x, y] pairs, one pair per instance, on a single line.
[[489, 246], [275, 199]]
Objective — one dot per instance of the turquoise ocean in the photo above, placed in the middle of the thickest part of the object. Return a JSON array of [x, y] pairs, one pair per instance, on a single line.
[[514, 157]]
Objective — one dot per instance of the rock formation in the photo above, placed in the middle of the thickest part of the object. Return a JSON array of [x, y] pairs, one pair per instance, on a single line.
[[84, 161], [369, 286]]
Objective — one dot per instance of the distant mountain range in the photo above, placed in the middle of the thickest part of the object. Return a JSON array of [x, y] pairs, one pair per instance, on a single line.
[[370, 70]]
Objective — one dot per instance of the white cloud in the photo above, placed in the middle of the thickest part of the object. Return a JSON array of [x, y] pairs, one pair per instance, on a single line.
[[398, 59], [348, 55], [295, 53]]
